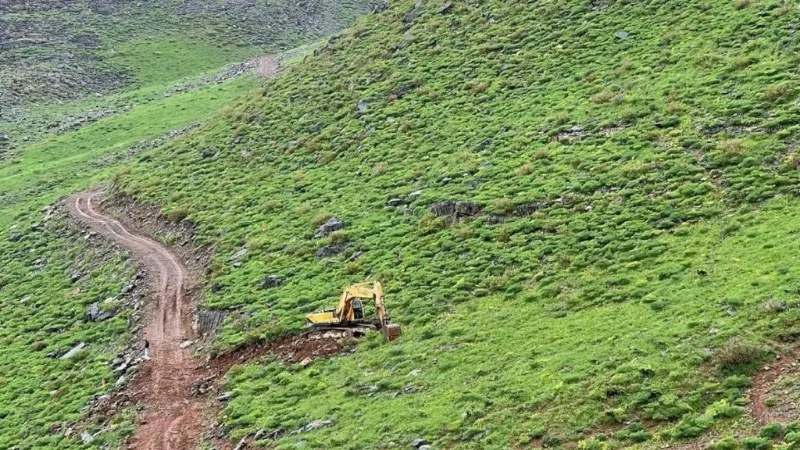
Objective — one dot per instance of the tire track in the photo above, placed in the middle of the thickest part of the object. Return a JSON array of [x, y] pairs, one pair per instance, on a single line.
[[172, 417]]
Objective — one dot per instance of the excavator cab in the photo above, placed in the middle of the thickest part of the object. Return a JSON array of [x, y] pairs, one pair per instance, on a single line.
[[358, 309], [349, 316]]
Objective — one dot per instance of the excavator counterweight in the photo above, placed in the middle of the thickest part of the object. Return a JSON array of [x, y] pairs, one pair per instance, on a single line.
[[349, 315]]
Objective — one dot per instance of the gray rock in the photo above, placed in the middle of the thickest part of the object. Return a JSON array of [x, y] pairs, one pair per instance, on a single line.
[[329, 250], [314, 425], [415, 194], [241, 252], [86, 438], [271, 281], [621, 34], [74, 351], [455, 209], [15, 236], [417, 443], [333, 224], [300, 444], [355, 255], [445, 8], [425, 447], [362, 106], [75, 276], [120, 381], [225, 396], [395, 202]]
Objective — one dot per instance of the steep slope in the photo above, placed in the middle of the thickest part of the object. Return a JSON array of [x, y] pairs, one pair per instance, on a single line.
[[583, 213]]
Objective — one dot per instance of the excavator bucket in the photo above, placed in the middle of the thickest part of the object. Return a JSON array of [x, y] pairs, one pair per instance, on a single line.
[[391, 331]]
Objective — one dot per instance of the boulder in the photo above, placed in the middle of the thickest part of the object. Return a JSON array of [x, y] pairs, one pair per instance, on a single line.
[[271, 281], [74, 351], [329, 250], [417, 443], [333, 224]]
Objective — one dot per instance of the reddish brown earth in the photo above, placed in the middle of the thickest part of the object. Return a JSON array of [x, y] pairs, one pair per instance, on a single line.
[[172, 419], [172, 385]]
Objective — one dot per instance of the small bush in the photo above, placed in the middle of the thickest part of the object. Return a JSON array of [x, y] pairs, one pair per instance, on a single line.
[[525, 169], [756, 444], [772, 431], [737, 353], [778, 92], [380, 168], [176, 215], [741, 4], [726, 443], [603, 97]]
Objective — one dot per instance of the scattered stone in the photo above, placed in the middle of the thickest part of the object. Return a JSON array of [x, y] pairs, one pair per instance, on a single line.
[[314, 425], [445, 8], [306, 361], [355, 255], [300, 444], [333, 224], [402, 91], [329, 250], [86, 438], [15, 236], [362, 106], [121, 381], [621, 34], [271, 281], [417, 443], [75, 276], [425, 447], [242, 444], [455, 209], [186, 344], [95, 314], [241, 252], [393, 202], [74, 351], [415, 194], [414, 373], [225, 396]]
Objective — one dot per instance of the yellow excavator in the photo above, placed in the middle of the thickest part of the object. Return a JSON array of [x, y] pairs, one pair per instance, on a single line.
[[349, 318]]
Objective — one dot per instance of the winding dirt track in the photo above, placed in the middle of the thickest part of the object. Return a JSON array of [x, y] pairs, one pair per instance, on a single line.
[[173, 418]]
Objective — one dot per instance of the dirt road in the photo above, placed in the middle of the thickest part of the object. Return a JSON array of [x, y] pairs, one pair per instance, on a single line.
[[172, 418]]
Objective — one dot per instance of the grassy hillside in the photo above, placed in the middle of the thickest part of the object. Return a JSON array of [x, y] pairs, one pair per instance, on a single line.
[[50, 273], [58, 51], [583, 212]]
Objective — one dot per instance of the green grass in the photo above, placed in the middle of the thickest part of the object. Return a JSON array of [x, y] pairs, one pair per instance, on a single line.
[[638, 204], [164, 59]]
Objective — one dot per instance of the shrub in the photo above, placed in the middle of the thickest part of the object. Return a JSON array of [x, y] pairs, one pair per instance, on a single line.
[[756, 444], [176, 215], [741, 4], [525, 169], [772, 431], [726, 443], [737, 353], [502, 206], [778, 92]]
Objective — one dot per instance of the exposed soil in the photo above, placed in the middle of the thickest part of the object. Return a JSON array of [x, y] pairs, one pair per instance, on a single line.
[[173, 387], [768, 383], [173, 418]]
